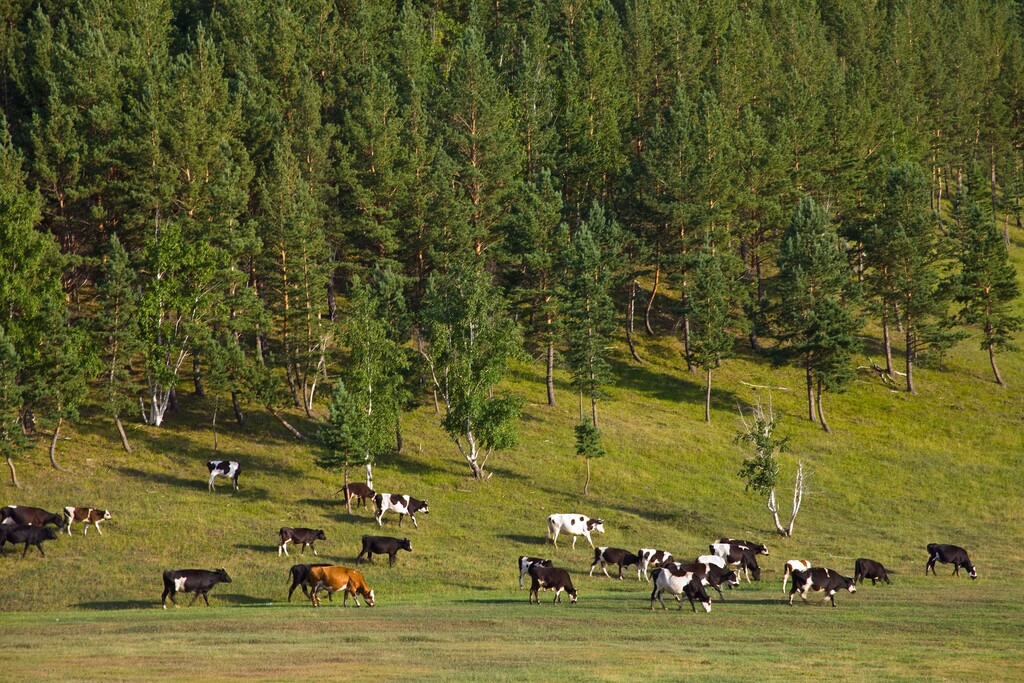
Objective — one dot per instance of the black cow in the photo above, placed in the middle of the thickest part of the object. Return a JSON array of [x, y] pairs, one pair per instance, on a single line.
[[21, 514], [819, 579], [300, 535], [300, 577], [198, 581], [864, 568], [224, 468], [402, 504], [383, 545], [27, 534], [949, 554], [526, 562], [619, 556], [550, 578]]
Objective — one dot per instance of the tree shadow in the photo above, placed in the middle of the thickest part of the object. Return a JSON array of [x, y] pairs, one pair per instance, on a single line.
[[247, 492], [507, 473], [643, 379], [118, 604], [257, 548], [240, 599], [524, 539]]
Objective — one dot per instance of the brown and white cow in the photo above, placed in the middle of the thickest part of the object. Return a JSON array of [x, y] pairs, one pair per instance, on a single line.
[[334, 579], [86, 516], [575, 524], [792, 566]]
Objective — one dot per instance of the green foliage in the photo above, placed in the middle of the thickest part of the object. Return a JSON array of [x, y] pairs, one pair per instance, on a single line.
[[588, 441], [347, 432], [760, 470]]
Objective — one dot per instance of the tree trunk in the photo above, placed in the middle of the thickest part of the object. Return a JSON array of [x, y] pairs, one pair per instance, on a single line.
[[707, 401], [821, 412], [654, 291], [551, 371], [686, 344], [630, 306], [995, 368], [810, 389], [910, 360], [886, 341], [53, 445], [197, 376], [348, 498], [398, 434], [124, 437], [215, 444], [295, 432], [172, 399], [14, 473], [237, 406], [369, 474], [586, 484]]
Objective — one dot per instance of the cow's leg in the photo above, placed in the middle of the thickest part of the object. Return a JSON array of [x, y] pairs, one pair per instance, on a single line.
[[574, 541], [604, 568], [400, 517], [163, 598], [380, 519], [235, 481], [194, 598], [205, 598], [620, 572], [213, 476], [587, 535], [391, 558], [554, 535], [558, 596], [413, 518], [313, 548]]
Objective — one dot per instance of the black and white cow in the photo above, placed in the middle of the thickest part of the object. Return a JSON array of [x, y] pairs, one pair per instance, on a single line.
[[198, 581], [86, 516], [650, 558], [299, 574], [949, 554], [22, 514], [819, 579], [711, 574], [792, 566], [383, 545], [224, 468], [575, 524], [402, 504], [27, 534], [620, 556], [758, 548], [864, 568], [550, 578], [742, 554], [526, 562], [683, 583], [300, 535]]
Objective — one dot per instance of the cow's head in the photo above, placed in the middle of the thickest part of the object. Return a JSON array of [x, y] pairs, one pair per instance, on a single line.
[[369, 598], [973, 571], [50, 533], [850, 586], [762, 549], [756, 572], [595, 525], [405, 544], [730, 579], [320, 535], [573, 593], [222, 576], [106, 514], [695, 591], [423, 508]]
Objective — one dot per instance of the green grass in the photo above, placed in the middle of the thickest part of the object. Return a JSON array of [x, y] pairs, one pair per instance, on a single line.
[[898, 472]]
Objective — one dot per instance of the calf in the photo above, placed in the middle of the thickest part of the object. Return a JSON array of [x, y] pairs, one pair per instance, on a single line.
[[550, 578], [686, 583], [526, 562], [27, 534], [791, 566], [619, 556], [21, 514], [869, 569], [198, 581], [300, 535], [403, 505], [333, 579], [224, 468], [300, 577], [361, 492], [572, 523], [383, 545], [651, 557], [949, 554], [86, 516], [742, 554], [819, 579]]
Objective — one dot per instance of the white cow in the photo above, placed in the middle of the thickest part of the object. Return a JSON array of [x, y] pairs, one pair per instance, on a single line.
[[575, 524], [651, 557], [791, 566], [682, 584]]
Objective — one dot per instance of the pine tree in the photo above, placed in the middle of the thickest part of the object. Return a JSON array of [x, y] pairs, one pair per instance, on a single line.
[[346, 434]]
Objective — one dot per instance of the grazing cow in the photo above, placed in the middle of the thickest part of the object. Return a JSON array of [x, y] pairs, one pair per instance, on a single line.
[[361, 492], [572, 523], [741, 554], [21, 514], [333, 579], [27, 534], [403, 505], [300, 577], [299, 535], [550, 578], [949, 554], [791, 566], [383, 545], [651, 557], [710, 574], [224, 468], [198, 581], [619, 556], [526, 562], [819, 579], [684, 583], [86, 516], [869, 569], [758, 548]]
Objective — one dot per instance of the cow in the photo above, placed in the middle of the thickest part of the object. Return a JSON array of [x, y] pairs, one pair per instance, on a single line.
[[299, 535], [333, 579], [383, 545], [403, 505], [684, 583], [791, 566], [864, 568], [198, 581], [550, 578], [758, 548], [949, 554], [572, 523], [710, 574], [224, 468], [361, 492], [619, 556], [712, 559], [27, 534], [526, 562], [21, 514], [742, 554], [651, 557], [299, 574], [86, 516], [819, 579]]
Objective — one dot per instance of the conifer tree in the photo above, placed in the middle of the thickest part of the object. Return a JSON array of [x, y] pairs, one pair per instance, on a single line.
[[117, 332]]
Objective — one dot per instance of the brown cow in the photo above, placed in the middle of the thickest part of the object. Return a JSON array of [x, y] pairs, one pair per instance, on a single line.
[[361, 492], [333, 579]]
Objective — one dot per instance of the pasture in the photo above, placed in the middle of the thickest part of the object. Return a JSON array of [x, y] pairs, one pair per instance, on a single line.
[[899, 472]]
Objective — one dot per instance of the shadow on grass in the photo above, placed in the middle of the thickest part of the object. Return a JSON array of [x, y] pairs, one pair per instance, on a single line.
[[524, 539], [244, 493], [239, 599], [257, 548], [119, 604]]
